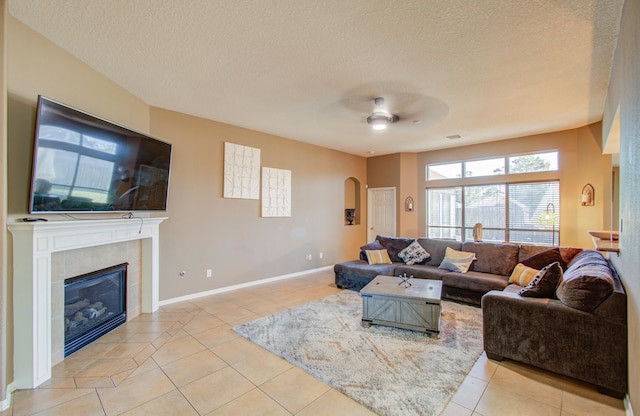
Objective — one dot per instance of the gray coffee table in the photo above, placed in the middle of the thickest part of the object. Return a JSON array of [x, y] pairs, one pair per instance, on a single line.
[[387, 300]]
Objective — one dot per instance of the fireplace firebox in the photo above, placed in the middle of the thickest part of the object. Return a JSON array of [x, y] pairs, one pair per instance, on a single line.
[[94, 304]]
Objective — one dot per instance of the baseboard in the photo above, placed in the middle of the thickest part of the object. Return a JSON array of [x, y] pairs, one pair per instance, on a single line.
[[241, 286], [6, 403], [627, 406]]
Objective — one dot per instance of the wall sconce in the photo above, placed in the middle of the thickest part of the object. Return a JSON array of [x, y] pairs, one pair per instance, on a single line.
[[588, 195], [408, 204], [350, 215]]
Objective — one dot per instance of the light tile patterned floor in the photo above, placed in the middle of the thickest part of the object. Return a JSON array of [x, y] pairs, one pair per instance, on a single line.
[[186, 360]]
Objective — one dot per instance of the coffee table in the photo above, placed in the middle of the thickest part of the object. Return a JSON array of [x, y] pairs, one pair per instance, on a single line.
[[388, 300]]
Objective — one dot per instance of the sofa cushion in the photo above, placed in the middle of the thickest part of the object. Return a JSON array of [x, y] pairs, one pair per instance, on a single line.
[[457, 261], [522, 275], [545, 283], [474, 281], [494, 258], [414, 253], [437, 247], [421, 271], [374, 245], [544, 258], [394, 245], [587, 282], [378, 256]]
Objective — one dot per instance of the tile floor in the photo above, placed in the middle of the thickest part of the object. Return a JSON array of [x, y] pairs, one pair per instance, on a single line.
[[186, 360]]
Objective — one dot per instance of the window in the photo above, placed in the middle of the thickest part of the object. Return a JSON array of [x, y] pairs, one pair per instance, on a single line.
[[507, 212], [537, 162]]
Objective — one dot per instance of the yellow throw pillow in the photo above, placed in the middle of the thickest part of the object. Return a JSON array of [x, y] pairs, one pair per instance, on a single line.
[[522, 275], [457, 261], [378, 256]]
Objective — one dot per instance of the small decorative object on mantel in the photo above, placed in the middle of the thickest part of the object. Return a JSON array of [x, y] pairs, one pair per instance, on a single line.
[[408, 204], [588, 195], [350, 214]]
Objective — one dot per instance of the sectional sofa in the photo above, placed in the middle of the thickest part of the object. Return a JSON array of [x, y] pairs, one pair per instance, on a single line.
[[578, 328]]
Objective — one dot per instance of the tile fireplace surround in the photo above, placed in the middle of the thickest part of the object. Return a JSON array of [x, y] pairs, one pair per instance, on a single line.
[[33, 245]]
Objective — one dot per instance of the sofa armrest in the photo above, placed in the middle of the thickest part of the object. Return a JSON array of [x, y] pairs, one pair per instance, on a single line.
[[550, 335]]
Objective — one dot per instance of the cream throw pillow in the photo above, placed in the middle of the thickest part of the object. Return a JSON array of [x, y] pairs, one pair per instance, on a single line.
[[522, 275], [378, 256], [457, 261]]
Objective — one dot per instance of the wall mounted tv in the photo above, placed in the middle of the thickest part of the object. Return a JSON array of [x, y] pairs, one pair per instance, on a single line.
[[82, 163]]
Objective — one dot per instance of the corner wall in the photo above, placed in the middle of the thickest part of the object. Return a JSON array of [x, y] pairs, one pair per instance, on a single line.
[[624, 92]]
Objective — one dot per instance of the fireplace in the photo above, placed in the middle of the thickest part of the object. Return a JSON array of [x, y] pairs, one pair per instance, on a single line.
[[34, 245], [94, 304]]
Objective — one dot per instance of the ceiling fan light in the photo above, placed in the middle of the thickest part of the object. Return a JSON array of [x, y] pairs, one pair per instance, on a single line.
[[379, 124], [380, 121]]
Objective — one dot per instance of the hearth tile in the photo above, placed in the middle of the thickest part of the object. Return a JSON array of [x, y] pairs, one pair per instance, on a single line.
[[144, 354], [454, 409], [201, 323], [335, 403], [307, 389], [469, 392], [484, 368], [59, 383], [134, 391], [28, 402], [175, 350], [170, 404], [215, 390], [254, 402], [126, 350], [92, 382], [164, 316], [216, 336], [71, 366], [94, 350], [138, 327], [262, 367], [237, 350], [498, 401], [113, 337], [106, 367], [189, 369]]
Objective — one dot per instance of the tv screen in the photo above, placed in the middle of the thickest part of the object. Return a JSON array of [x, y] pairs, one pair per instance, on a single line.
[[82, 163]]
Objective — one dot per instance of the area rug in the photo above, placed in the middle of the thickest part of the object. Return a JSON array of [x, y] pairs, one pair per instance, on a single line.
[[389, 370]]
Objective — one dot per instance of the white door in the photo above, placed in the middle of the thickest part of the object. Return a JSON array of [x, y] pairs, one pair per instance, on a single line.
[[381, 218]]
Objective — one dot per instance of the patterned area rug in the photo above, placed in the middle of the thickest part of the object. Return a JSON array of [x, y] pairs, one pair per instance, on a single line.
[[391, 371]]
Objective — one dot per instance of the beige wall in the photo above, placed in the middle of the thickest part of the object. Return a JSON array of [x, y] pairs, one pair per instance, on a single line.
[[204, 230], [624, 92], [581, 162], [207, 231]]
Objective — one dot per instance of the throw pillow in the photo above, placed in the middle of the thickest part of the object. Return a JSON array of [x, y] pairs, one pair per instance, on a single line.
[[394, 245], [544, 258], [378, 257], [414, 253], [522, 275], [456, 261], [545, 283], [374, 245]]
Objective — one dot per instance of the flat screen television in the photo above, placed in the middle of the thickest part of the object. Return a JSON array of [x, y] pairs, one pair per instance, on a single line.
[[83, 163]]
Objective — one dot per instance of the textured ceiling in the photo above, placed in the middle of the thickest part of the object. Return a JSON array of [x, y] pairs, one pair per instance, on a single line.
[[309, 70]]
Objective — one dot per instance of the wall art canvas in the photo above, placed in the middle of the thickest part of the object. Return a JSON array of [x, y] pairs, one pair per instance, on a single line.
[[276, 192], [241, 171]]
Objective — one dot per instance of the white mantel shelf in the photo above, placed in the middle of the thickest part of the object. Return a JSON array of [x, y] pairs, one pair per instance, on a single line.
[[33, 244]]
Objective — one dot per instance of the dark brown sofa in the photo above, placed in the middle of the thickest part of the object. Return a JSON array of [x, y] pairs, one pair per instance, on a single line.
[[582, 336]]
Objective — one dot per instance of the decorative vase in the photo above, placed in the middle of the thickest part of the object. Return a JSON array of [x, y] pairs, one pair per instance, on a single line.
[[350, 214]]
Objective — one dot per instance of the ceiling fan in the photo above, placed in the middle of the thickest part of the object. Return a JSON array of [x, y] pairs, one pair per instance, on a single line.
[[380, 119]]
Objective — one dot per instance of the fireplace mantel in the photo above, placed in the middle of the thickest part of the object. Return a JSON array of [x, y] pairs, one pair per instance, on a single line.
[[33, 244]]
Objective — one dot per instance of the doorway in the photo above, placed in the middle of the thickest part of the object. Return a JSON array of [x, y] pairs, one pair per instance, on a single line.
[[381, 213]]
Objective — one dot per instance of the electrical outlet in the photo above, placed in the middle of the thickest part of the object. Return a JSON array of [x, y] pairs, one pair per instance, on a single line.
[[320, 255], [209, 272], [310, 256]]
